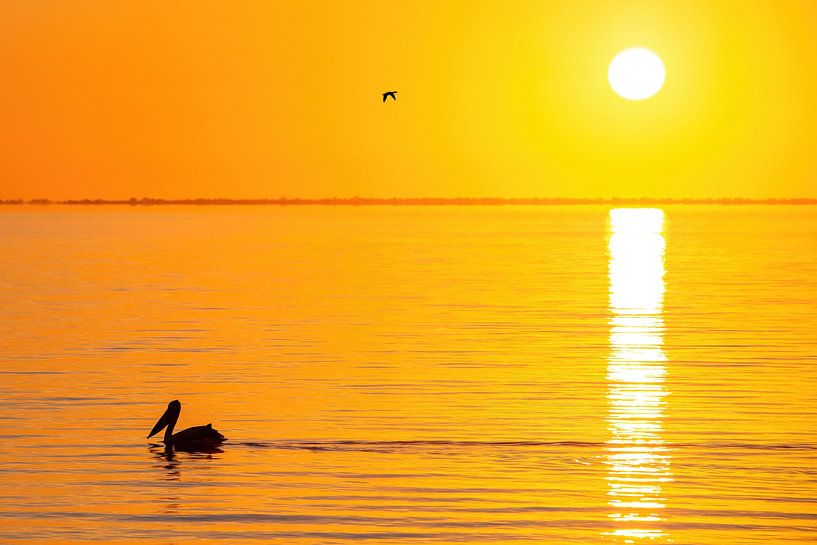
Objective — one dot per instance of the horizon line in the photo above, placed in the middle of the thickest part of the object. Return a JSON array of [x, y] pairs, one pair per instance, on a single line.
[[418, 201]]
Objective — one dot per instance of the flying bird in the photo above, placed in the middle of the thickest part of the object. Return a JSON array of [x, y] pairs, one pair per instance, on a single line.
[[198, 438], [389, 94]]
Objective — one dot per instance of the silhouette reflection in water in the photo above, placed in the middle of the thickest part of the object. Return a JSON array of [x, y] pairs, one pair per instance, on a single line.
[[168, 460]]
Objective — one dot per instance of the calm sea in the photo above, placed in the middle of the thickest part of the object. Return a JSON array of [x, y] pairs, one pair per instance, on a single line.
[[410, 374]]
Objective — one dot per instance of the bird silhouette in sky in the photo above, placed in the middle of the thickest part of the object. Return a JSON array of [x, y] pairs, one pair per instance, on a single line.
[[388, 94]]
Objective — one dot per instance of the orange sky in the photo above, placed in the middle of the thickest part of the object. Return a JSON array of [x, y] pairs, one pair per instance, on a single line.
[[264, 99]]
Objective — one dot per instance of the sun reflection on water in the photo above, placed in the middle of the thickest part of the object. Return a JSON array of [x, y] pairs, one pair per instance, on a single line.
[[637, 458]]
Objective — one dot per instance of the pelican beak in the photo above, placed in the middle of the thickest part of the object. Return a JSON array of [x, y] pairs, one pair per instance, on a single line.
[[161, 424]]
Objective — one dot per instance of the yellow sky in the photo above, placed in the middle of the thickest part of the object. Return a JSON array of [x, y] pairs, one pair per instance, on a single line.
[[262, 99]]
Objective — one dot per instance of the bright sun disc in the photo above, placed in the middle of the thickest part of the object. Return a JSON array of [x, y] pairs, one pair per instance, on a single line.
[[636, 73]]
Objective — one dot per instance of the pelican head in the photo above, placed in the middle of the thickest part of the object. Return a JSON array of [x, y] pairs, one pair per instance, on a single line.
[[168, 419]]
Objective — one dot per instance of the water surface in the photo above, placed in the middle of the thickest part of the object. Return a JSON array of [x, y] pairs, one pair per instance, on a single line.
[[410, 374]]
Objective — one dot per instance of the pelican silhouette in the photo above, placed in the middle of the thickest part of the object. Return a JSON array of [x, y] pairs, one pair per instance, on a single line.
[[197, 438], [388, 94]]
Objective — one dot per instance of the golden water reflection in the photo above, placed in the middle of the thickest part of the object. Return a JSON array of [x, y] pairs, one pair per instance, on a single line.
[[637, 458]]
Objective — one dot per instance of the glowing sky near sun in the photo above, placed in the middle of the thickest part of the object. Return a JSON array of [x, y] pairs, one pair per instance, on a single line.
[[264, 99]]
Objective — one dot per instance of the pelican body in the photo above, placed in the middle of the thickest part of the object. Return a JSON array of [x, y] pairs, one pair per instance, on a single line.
[[191, 439]]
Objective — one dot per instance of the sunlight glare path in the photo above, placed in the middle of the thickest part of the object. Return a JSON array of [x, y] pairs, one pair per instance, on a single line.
[[637, 457]]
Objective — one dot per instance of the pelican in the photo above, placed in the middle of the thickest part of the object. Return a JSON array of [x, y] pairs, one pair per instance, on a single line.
[[191, 439], [392, 94]]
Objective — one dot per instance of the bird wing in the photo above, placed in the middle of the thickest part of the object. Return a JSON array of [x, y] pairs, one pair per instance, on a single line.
[[385, 96], [198, 434]]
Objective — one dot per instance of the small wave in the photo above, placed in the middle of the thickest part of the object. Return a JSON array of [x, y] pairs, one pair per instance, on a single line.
[[383, 446], [433, 444]]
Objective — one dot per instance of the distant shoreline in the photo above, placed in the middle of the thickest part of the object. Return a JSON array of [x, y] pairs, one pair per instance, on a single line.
[[361, 201]]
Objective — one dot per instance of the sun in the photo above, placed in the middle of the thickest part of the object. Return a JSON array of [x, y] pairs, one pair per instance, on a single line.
[[636, 73]]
